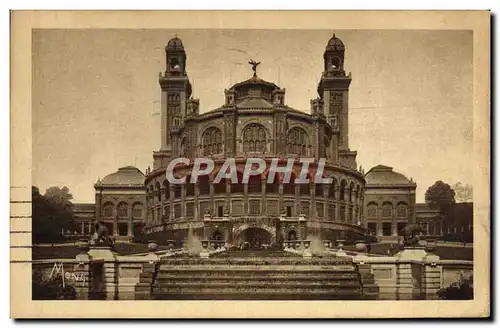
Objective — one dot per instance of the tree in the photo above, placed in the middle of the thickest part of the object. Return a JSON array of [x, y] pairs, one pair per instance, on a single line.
[[51, 215], [463, 193], [440, 196], [60, 196]]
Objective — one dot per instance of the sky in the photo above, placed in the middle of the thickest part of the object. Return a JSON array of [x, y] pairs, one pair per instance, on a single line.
[[96, 95]]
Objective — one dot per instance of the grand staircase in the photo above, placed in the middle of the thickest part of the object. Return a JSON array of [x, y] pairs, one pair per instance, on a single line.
[[258, 276]]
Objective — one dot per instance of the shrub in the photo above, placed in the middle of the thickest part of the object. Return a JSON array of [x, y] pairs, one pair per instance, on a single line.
[[44, 288], [276, 246], [140, 239], [460, 290]]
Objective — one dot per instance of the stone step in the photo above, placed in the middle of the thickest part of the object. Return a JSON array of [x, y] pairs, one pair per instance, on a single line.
[[174, 283], [232, 267], [256, 277], [290, 261], [226, 289], [259, 295]]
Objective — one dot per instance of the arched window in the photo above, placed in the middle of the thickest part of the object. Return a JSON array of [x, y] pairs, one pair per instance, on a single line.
[[166, 187], [273, 188], [298, 142], [137, 211], [189, 187], [319, 190], [122, 210], [331, 189], [254, 207], [371, 210], [183, 148], [254, 138], [204, 184], [238, 187], [402, 210], [343, 185], [158, 191], [387, 210], [107, 210], [220, 188], [351, 190], [254, 184], [335, 63], [212, 141], [305, 189], [177, 191], [289, 188]]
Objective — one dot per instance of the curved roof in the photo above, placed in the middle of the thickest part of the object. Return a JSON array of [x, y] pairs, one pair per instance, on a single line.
[[384, 175], [175, 44], [335, 44], [255, 80], [125, 176]]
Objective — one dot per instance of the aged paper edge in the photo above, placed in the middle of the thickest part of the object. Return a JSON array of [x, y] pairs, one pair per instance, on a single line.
[[22, 24]]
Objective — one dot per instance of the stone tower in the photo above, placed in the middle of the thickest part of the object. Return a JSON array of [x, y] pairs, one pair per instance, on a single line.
[[175, 94], [333, 90]]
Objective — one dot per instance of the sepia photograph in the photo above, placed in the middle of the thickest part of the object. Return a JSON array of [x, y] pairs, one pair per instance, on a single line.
[[255, 164]]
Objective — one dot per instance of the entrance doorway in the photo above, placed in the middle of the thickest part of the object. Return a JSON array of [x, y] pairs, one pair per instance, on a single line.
[[257, 237], [217, 235]]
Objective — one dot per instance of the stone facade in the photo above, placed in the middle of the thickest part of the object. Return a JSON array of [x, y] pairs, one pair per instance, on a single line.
[[120, 202], [389, 202], [255, 121]]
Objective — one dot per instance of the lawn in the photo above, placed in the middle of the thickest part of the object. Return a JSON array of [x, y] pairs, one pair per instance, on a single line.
[[71, 251], [444, 252]]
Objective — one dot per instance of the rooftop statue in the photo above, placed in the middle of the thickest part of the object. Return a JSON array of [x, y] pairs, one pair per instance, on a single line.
[[254, 66]]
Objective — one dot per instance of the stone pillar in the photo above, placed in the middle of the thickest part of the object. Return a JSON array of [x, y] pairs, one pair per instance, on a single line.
[[82, 270], [111, 279], [263, 203], [297, 199], [183, 200], [227, 203], [354, 202], [82, 228], [394, 224], [196, 202], [281, 203], [212, 192], [337, 203], [432, 272], [404, 280], [98, 204], [129, 225], [312, 203], [115, 224], [103, 256], [172, 212], [246, 206], [362, 211], [379, 221]]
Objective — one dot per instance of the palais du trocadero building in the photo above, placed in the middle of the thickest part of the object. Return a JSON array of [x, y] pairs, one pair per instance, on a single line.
[[254, 120]]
